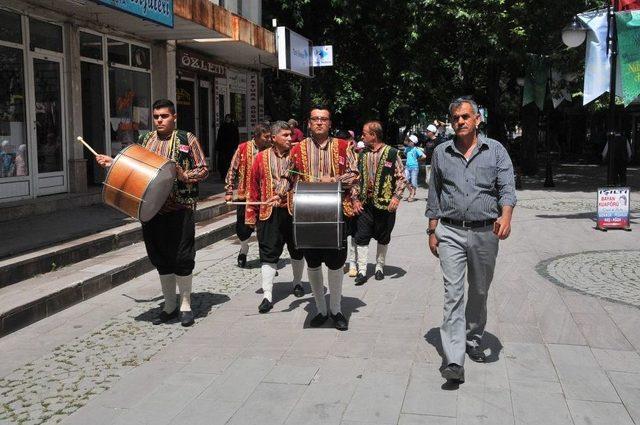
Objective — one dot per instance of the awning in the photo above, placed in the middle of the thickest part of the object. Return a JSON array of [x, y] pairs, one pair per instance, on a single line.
[[229, 37]]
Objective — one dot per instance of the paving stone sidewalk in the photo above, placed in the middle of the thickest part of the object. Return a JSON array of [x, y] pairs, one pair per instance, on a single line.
[[556, 355]]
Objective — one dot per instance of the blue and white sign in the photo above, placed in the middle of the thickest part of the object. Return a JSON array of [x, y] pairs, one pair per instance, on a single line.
[[322, 56], [160, 11]]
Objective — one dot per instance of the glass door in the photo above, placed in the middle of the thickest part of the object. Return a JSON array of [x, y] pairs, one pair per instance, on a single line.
[[93, 127], [186, 99], [204, 121], [48, 130]]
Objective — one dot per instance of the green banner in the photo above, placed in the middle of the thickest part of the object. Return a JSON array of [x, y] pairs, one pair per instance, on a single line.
[[628, 24], [535, 82]]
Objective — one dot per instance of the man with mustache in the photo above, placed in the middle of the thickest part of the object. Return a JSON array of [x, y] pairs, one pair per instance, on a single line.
[[471, 200]]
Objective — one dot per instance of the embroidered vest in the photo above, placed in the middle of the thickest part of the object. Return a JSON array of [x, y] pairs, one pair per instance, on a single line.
[[183, 193], [384, 183], [248, 151], [266, 186], [338, 165]]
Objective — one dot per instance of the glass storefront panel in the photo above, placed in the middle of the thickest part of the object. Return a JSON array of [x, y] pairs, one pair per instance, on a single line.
[[130, 100], [10, 27], [118, 51], [90, 45], [45, 35], [186, 105], [239, 108], [93, 117], [204, 125], [13, 147], [140, 57], [46, 78]]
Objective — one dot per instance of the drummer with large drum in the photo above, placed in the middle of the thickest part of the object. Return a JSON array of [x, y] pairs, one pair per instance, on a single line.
[[321, 158], [270, 209], [169, 236]]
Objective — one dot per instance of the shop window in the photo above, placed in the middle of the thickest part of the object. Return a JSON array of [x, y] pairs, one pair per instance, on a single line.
[[13, 148], [129, 95], [90, 45], [118, 51], [45, 35], [140, 57], [10, 27], [239, 108]]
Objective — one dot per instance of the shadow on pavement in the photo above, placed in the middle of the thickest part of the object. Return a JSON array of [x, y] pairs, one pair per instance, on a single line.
[[350, 305], [201, 305]]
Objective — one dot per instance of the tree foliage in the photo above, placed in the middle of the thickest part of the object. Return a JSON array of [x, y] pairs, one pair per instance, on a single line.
[[402, 60]]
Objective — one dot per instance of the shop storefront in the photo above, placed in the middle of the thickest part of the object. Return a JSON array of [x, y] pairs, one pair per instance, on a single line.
[[196, 78], [32, 106]]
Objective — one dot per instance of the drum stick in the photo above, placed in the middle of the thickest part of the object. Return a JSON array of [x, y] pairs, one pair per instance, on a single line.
[[86, 145], [303, 174], [246, 203]]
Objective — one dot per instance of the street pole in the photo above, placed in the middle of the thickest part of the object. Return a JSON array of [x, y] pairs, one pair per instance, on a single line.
[[612, 40], [548, 180]]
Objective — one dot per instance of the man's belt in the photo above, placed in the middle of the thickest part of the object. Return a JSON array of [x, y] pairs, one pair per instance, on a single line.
[[468, 224]]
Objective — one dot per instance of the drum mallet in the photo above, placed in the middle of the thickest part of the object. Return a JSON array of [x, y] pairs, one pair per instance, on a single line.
[[86, 145], [245, 203]]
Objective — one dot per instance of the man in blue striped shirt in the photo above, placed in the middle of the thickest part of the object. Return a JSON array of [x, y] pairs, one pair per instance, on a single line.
[[471, 200]]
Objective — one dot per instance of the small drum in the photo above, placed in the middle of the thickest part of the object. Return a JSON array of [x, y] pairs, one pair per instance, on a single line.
[[317, 216], [138, 182]]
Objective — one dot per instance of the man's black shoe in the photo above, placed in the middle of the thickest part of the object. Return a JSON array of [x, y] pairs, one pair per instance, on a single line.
[[454, 373], [476, 354], [360, 279], [318, 321], [186, 318], [265, 306], [242, 260], [340, 322], [298, 290], [164, 317], [379, 275]]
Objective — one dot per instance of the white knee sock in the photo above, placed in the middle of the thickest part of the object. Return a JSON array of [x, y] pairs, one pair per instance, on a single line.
[[317, 286], [168, 283], [335, 290], [184, 286], [380, 256], [353, 253], [244, 246], [297, 266], [268, 274], [363, 254]]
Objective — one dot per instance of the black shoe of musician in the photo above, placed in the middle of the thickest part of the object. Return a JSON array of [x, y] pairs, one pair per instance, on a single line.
[[265, 306], [298, 290], [318, 321], [360, 279], [454, 373], [340, 322], [476, 354], [186, 318], [379, 275], [242, 260], [164, 317]]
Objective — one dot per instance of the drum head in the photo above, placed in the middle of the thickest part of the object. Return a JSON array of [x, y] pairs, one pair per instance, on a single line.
[[158, 191]]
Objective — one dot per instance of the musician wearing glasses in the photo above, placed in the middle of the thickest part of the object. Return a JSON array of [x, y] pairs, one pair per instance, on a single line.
[[170, 235], [382, 183], [238, 180], [471, 200], [273, 216], [321, 158]]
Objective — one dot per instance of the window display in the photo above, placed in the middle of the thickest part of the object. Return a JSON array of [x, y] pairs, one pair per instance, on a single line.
[[13, 148], [130, 100]]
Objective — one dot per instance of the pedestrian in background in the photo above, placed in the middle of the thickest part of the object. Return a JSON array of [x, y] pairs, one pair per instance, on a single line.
[[227, 142], [413, 154], [296, 134], [471, 200]]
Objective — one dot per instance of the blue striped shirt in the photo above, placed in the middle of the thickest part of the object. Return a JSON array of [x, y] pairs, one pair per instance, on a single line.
[[473, 189]]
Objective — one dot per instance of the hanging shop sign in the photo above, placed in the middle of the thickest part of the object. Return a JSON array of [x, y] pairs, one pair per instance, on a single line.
[[159, 11], [613, 208], [294, 52], [199, 63], [252, 96], [322, 56]]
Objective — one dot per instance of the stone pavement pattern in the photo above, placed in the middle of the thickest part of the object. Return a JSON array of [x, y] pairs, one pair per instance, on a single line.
[[556, 356]]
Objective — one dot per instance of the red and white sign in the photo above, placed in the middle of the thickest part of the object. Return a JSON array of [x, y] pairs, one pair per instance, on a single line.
[[613, 208]]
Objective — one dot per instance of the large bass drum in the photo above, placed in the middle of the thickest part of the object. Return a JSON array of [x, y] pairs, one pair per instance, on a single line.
[[138, 182], [317, 216]]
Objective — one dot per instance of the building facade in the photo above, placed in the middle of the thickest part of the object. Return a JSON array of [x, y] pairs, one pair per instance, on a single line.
[[93, 69]]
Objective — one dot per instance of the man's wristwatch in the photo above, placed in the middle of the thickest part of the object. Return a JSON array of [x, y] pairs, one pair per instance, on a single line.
[[431, 231]]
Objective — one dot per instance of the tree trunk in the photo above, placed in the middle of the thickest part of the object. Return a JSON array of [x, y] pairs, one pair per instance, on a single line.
[[529, 142]]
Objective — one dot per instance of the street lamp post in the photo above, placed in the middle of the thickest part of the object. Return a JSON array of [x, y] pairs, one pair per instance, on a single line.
[[574, 35]]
